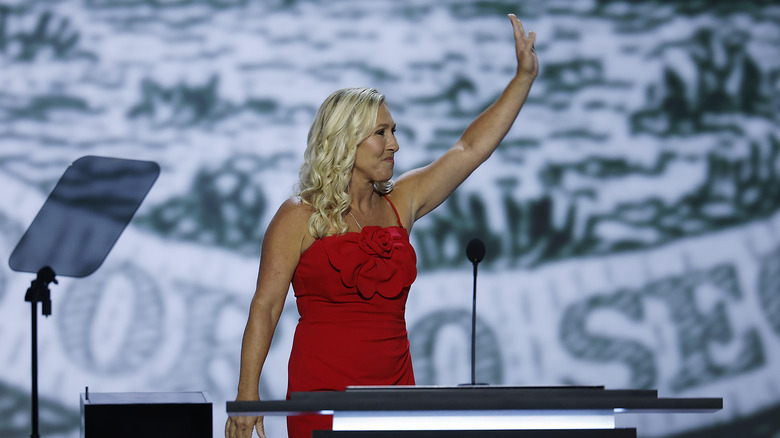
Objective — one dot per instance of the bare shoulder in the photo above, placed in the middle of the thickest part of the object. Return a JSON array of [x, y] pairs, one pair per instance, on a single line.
[[294, 209], [291, 222]]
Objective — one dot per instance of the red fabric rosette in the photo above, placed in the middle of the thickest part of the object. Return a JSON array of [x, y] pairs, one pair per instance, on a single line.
[[370, 261]]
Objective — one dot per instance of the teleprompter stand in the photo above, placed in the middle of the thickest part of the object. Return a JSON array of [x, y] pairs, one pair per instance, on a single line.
[[75, 230]]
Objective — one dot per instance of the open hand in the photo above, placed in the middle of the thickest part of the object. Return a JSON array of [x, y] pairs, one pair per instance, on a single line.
[[527, 63]]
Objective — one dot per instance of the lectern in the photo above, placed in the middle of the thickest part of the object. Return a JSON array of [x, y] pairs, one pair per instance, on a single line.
[[470, 411]]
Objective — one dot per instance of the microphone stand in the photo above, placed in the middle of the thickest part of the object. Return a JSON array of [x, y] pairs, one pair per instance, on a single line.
[[474, 330], [475, 251]]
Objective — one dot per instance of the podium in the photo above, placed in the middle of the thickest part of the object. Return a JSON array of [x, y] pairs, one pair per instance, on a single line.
[[466, 411]]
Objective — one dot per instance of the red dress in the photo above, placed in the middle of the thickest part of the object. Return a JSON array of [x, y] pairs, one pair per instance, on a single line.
[[351, 294]]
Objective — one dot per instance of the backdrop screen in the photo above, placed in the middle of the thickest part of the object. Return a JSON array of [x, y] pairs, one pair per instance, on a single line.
[[631, 215]]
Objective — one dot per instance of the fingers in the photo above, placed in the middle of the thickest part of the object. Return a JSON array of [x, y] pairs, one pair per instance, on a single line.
[[518, 28], [242, 427], [517, 24], [521, 40], [259, 427], [531, 42]]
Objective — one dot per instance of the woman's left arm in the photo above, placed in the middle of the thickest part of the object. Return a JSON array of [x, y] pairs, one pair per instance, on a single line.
[[425, 188]]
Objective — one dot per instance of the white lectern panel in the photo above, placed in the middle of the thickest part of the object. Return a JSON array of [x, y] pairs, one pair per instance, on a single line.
[[473, 420]]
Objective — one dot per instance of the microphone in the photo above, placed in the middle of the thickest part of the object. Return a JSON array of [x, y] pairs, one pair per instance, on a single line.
[[475, 252]]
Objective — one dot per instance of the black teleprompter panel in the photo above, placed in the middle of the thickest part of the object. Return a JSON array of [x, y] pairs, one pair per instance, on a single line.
[[148, 415]]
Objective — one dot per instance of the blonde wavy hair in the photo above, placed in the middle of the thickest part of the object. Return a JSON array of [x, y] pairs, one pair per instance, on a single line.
[[343, 121]]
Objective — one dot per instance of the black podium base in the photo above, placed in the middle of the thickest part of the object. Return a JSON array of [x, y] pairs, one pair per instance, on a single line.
[[148, 415], [578, 433]]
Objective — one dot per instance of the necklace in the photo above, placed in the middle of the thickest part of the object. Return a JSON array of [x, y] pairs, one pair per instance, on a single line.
[[370, 215], [356, 221]]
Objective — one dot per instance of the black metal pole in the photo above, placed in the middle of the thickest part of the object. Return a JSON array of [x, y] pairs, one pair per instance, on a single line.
[[38, 292], [474, 331], [34, 370], [475, 252]]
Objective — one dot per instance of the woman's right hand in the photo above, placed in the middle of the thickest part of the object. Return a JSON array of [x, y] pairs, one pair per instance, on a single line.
[[241, 427]]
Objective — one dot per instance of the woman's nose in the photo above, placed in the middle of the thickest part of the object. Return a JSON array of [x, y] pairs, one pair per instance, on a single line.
[[392, 143]]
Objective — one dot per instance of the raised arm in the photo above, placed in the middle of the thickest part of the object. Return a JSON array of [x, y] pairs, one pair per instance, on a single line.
[[279, 257], [425, 188]]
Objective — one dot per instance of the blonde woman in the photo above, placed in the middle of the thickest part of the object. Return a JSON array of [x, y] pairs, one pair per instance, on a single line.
[[343, 243]]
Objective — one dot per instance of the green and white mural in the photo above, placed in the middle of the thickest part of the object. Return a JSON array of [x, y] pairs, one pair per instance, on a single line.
[[631, 216]]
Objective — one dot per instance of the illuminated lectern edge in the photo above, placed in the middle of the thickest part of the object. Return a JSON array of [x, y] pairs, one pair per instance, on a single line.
[[498, 419], [474, 420]]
